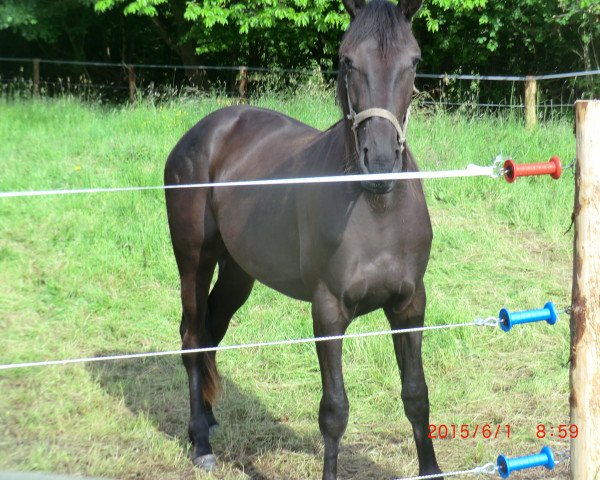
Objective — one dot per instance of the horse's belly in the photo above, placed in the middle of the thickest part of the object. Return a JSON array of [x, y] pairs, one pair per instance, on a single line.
[[265, 244]]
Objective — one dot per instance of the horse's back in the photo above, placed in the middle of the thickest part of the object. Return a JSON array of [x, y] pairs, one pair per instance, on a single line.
[[236, 143]]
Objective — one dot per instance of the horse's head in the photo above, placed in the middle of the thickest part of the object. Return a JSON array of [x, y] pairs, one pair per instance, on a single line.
[[378, 59]]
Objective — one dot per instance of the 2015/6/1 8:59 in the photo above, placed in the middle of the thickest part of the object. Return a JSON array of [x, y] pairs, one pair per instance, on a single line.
[[465, 431]]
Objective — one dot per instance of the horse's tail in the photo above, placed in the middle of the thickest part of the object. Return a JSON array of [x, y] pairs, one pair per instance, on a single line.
[[210, 377]]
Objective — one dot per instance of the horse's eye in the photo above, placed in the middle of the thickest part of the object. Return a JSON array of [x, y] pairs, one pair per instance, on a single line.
[[348, 65], [416, 61]]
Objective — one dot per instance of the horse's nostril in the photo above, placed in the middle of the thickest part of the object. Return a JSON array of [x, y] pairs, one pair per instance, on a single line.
[[366, 157]]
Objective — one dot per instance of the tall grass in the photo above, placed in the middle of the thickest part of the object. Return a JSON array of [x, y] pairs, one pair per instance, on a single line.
[[94, 274]]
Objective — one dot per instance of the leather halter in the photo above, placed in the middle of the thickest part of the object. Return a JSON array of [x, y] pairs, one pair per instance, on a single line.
[[358, 118]]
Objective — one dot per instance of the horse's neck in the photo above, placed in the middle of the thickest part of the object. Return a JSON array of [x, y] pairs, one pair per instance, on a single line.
[[340, 150], [336, 155]]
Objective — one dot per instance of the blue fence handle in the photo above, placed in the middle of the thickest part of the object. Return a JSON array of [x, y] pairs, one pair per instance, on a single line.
[[543, 459], [510, 319]]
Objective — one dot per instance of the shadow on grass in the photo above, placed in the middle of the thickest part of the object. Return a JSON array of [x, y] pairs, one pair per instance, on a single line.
[[157, 388]]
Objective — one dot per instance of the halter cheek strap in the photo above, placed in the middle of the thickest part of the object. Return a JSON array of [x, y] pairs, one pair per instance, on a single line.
[[358, 118]]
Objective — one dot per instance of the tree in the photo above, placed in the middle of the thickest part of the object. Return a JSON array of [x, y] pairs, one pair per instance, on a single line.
[[513, 36], [584, 16], [479, 36], [196, 29], [47, 22]]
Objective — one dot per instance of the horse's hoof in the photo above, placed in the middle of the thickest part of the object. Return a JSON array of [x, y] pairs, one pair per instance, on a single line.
[[212, 430], [440, 477], [206, 463]]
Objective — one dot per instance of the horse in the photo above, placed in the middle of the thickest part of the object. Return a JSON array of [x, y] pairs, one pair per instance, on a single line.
[[348, 248]]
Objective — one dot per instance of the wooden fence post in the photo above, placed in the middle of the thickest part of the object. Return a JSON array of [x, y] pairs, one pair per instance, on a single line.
[[36, 77], [243, 83], [585, 322], [530, 102], [132, 85]]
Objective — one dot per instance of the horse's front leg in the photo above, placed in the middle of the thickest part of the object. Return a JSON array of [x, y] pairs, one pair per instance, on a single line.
[[414, 388], [328, 320]]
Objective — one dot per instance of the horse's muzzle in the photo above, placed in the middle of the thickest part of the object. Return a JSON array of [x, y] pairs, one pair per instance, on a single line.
[[378, 187], [380, 164]]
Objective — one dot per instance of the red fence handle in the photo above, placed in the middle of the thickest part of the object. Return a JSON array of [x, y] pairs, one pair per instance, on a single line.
[[513, 170]]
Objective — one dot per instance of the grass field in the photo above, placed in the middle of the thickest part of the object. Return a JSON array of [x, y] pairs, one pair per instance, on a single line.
[[94, 275]]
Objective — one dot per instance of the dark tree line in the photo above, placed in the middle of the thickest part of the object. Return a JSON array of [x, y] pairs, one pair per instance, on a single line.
[[470, 36]]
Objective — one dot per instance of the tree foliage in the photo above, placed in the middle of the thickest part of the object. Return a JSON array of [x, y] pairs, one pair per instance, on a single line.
[[517, 36], [283, 32], [512, 36], [44, 21]]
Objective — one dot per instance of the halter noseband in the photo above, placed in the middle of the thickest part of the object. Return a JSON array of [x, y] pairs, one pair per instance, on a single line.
[[358, 118]]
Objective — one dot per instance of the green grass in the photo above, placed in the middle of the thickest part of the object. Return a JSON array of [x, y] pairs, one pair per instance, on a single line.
[[94, 275]]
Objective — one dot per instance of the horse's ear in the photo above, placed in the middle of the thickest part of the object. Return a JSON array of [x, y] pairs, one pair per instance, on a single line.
[[353, 6], [409, 7]]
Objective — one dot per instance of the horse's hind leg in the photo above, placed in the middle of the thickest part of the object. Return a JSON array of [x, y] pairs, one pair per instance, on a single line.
[[414, 389], [197, 246], [231, 290], [196, 271], [205, 318]]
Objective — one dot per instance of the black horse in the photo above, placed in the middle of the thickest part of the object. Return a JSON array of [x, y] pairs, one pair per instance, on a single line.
[[348, 248]]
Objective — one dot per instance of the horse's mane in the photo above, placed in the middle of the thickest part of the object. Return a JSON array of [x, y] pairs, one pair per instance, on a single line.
[[380, 20]]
